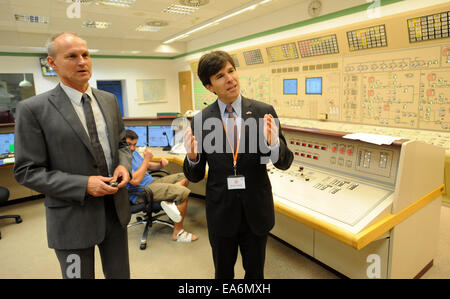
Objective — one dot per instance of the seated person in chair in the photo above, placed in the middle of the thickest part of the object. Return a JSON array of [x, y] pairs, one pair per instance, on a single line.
[[170, 190]]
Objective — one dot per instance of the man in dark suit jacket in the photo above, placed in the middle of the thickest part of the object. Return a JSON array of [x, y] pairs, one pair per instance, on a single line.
[[239, 202], [75, 159]]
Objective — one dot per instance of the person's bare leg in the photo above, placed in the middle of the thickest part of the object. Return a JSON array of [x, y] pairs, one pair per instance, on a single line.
[[177, 227], [184, 182], [182, 208]]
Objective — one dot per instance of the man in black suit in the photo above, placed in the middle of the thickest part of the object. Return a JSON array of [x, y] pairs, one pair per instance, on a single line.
[[236, 136], [71, 146]]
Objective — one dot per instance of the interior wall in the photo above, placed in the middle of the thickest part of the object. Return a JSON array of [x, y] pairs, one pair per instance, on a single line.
[[128, 70]]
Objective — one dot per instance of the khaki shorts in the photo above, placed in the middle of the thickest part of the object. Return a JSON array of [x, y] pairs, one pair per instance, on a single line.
[[164, 188]]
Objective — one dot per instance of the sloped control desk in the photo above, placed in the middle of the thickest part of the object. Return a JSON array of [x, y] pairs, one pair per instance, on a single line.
[[366, 210]]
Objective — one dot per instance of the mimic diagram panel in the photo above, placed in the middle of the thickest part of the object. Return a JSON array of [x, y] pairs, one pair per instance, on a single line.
[[391, 72], [407, 88], [255, 84]]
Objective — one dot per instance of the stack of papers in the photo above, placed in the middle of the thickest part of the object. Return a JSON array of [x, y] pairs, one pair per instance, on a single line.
[[372, 138]]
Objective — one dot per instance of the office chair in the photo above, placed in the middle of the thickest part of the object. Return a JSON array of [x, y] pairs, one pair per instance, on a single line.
[[151, 210], [4, 196]]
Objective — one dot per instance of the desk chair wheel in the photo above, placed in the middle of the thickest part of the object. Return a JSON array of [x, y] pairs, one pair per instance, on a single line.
[[18, 219], [143, 246]]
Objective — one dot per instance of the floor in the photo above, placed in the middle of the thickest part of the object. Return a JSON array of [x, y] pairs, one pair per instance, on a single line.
[[24, 252]]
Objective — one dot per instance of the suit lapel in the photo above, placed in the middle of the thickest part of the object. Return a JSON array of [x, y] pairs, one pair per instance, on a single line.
[[215, 113], [246, 113], [62, 103], [103, 104]]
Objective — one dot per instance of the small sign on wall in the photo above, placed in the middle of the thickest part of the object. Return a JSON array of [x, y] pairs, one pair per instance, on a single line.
[[151, 91]]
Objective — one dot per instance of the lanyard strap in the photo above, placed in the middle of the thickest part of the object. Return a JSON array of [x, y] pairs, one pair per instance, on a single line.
[[235, 154]]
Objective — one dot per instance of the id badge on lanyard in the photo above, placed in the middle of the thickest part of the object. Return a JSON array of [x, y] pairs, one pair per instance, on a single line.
[[234, 182]]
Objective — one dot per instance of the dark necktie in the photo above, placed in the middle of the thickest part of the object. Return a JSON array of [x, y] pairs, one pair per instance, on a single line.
[[92, 129], [233, 123]]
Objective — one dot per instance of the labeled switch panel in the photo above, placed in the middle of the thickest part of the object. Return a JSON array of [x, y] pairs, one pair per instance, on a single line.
[[356, 158]]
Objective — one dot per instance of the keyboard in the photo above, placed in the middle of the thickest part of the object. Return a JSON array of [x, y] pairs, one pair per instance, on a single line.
[[8, 155]]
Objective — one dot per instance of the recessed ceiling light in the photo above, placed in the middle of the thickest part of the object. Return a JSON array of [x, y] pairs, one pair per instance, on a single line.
[[152, 26], [96, 24], [180, 9], [31, 19]]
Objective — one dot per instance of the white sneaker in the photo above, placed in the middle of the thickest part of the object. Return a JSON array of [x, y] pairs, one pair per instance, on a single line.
[[171, 211]]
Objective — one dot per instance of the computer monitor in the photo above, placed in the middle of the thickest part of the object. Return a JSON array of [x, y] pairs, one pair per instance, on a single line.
[[141, 131], [313, 85], [290, 86], [156, 136], [47, 70], [6, 143]]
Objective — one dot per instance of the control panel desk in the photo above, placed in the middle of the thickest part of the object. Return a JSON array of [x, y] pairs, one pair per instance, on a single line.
[[176, 165], [365, 210]]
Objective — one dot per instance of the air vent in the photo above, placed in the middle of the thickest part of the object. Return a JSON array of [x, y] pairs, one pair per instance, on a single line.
[[31, 19], [180, 9]]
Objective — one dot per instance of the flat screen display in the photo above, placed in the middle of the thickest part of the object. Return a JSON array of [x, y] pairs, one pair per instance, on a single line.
[[156, 136], [47, 70], [141, 131], [290, 86], [313, 85], [6, 143]]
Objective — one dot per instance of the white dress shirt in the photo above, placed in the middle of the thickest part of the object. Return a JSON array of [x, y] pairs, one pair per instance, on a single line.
[[102, 131]]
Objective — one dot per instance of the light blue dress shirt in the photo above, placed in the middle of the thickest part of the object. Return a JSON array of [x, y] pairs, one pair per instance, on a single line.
[[237, 111]]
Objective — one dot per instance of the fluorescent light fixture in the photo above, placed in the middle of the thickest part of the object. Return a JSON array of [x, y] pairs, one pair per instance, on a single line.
[[37, 49], [148, 28], [180, 9], [118, 3], [78, 1], [175, 38], [31, 19], [249, 6], [96, 24], [130, 52]]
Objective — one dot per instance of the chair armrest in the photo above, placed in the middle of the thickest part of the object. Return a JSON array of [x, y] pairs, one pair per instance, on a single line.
[[140, 191], [159, 173]]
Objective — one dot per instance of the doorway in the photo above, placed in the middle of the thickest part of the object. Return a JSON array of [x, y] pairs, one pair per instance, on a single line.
[[114, 87]]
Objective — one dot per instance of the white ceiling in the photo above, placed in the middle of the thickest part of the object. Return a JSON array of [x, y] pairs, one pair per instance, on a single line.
[[121, 38]]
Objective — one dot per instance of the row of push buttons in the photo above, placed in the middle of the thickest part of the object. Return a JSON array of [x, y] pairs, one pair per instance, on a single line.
[[341, 149], [310, 145], [307, 155]]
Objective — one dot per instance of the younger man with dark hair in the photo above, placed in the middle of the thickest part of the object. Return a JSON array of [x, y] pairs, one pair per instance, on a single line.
[[239, 202]]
